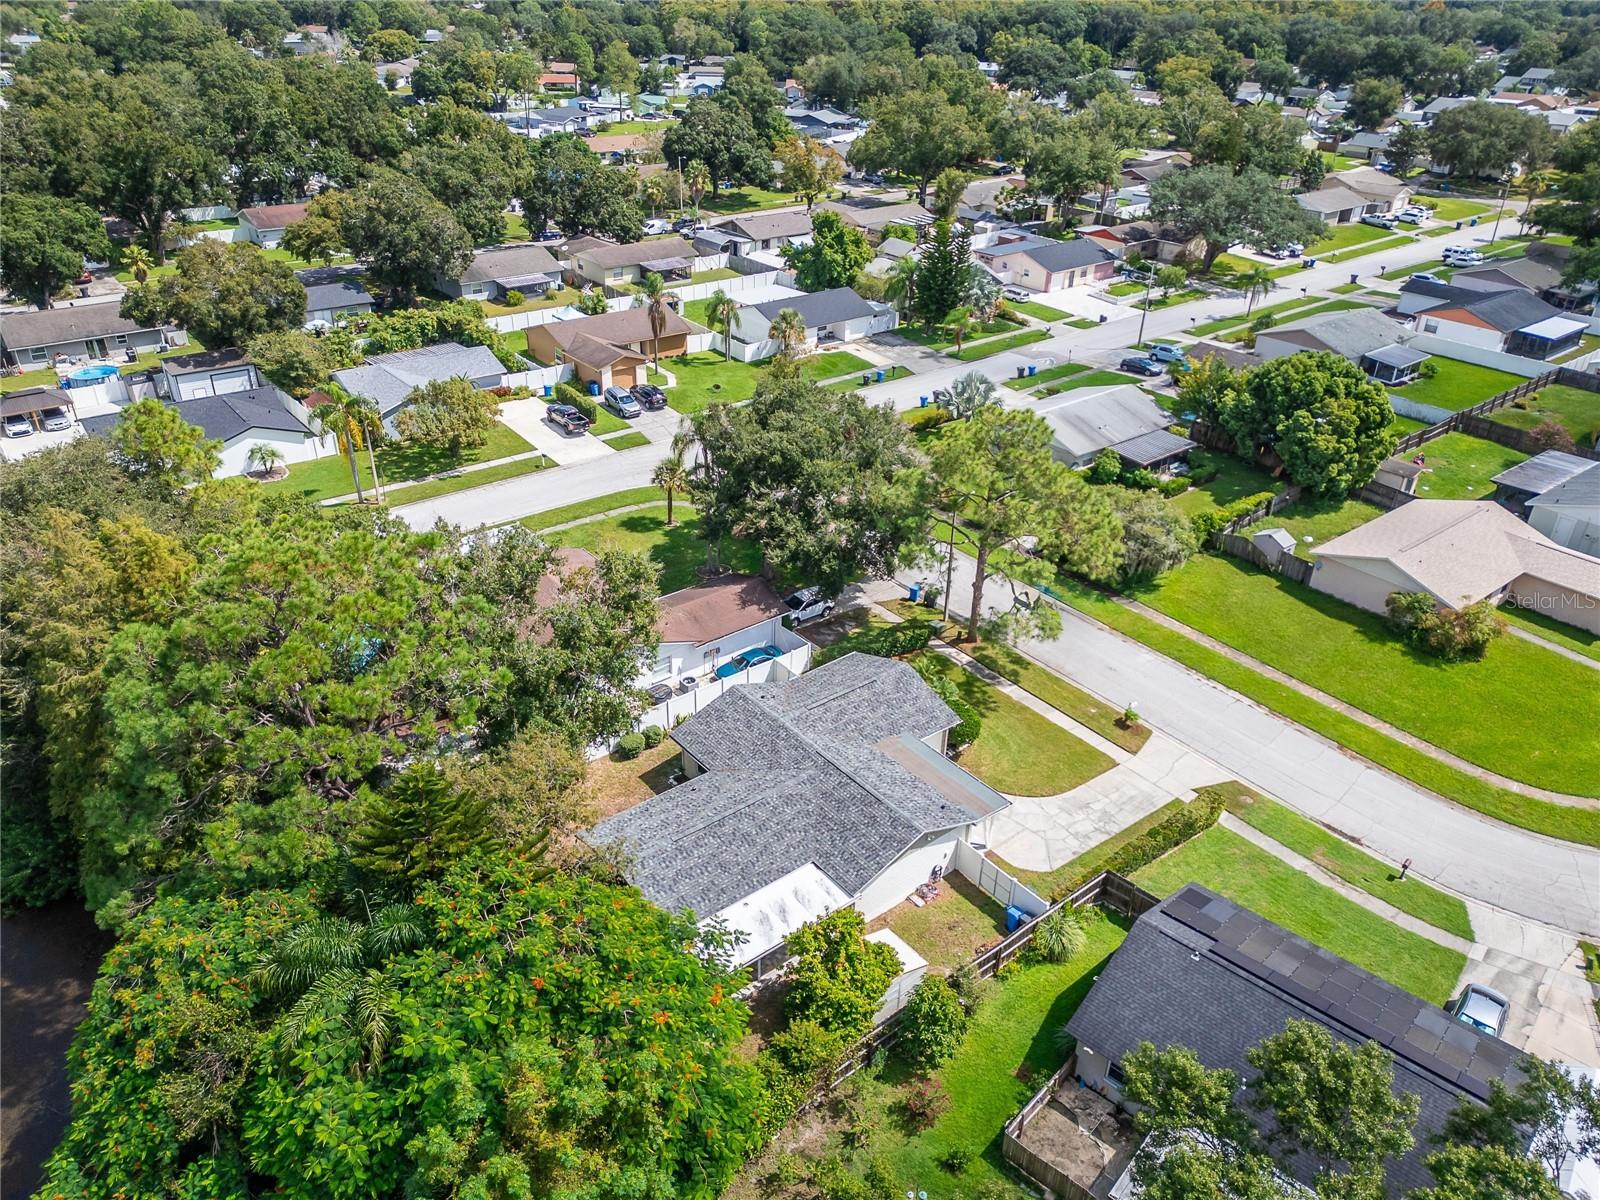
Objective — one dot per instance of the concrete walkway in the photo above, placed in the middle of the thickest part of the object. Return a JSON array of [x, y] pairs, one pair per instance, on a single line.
[[1528, 635]]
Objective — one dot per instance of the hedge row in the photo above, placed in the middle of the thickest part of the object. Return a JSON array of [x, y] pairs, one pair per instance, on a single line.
[[1207, 523], [888, 641], [1199, 815]]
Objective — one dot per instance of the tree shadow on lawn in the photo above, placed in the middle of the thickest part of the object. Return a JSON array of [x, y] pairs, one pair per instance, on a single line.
[[680, 551]]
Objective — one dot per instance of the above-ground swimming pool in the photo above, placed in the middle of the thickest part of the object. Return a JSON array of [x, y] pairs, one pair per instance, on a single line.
[[88, 376]]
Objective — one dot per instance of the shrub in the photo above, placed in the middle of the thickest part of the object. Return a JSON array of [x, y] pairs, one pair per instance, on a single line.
[[1142, 478], [1449, 633], [514, 298], [838, 978], [1428, 369], [808, 1052], [500, 393], [579, 399], [956, 1159], [652, 736], [924, 1102], [972, 991], [1107, 467], [1207, 523], [592, 303], [1060, 936], [1552, 435], [926, 418], [630, 745], [935, 1022], [1175, 486], [1196, 817], [968, 723], [889, 641]]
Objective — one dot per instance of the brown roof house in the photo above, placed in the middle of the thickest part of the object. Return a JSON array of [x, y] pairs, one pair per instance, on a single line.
[[265, 224], [607, 262], [610, 349]]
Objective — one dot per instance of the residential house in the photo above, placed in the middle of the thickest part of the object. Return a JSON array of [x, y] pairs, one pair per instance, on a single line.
[[1535, 476], [1515, 322], [559, 81], [1539, 270], [1147, 240], [1334, 204], [1350, 195], [755, 232], [794, 92], [389, 379], [1459, 552], [873, 219], [1366, 337], [311, 39], [1368, 143], [333, 294], [1153, 164], [1558, 494], [241, 420], [1085, 421], [611, 348], [1042, 264], [566, 118], [819, 123], [701, 80], [207, 373], [832, 316], [1531, 79], [264, 224], [83, 331], [1442, 104], [618, 148], [399, 70], [609, 263], [805, 795], [1197, 970], [528, 268]]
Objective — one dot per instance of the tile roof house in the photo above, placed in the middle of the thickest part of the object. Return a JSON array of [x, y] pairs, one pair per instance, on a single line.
[[1088, 420], [1044, 264], [264, 224], [1459, 552], [389, 379], [529, 268], [806, 794], [610, 348], [1200, 971]]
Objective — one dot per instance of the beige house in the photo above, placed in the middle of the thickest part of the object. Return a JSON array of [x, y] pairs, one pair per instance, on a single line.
[[1459, 552], [610, 349], [608, 263]]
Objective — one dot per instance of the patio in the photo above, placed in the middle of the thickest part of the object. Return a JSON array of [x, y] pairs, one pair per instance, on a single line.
[[1071, 1139]]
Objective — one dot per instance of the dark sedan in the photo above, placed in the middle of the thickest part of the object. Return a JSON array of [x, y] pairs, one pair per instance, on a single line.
[[564, 416], [650, 397], [1140, 365]]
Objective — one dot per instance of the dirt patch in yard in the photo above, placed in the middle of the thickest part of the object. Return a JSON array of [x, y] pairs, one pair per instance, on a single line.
[[949, 929]]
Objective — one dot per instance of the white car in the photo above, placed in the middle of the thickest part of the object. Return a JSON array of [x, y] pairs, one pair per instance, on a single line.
[[1462, 256], [1380, 220], [18, 426], [807, 604], [657, 225], [1291, 250], [1427, 277], [55, 419], [1414, 215], [1020, 294]]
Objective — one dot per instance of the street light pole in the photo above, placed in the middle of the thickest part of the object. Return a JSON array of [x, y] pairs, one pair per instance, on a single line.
[[1144, 311]]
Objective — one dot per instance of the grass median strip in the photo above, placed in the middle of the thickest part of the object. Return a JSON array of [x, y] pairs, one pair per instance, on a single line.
[[1060, 371], [977, 350], [581, 509], [446, 484], [627, 441], [1355, 866]]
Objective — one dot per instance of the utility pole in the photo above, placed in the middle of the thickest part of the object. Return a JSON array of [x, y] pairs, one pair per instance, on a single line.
[[1505, 189], [1144, 311]]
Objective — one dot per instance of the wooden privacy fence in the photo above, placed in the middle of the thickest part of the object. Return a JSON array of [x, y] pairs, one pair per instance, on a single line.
[[1285, 564], [1041, 1170], [1493, 431]]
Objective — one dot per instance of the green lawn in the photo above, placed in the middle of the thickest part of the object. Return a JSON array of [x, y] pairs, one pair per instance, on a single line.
[[677, 551], [1342, 237], [713, 275], [1351, 864], [627, 441], [623, 127], [1459, 466], [1060, 695], [1128, 287], [594, 507], [606, 422], [950, 929], [1221, 323], [1586, 344], [1319, 519], [1090, 379], [1227, 863], [1354, 655], [1341, 162], [1042, 312], [517, 228], [1375, 247], [1019, 752], [1060, 371], [704, 378], [43, 377], [556, 299], [1554, 820], [1235, 479], [329, 476], [1183, 296], [460, 483], [938, 337], [1451, 208], [973, 352], [696, 310], [1010, 1048], [1576, 408], [746, 199], [1316, 309], [852, 382], [1552, 630], [1082, 322], [830, 363], [1344, 289], [1457, 385]]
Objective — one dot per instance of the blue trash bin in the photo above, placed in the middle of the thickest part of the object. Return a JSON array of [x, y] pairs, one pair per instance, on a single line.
[[915, 592], [880, 376], [922, 402], [594, 388], [1033, 369], [1014, 918], [1473, 222], [548, 391]]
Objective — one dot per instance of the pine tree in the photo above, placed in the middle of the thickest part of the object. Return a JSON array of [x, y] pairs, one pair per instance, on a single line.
[[419, 827], [942, 273]]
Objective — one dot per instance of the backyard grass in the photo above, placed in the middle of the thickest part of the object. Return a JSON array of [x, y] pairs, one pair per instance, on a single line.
[[1225, 862], [713, 275], [329, 476], [1319, 519], [1090, 863], [1457, 385], [696, 310], [624, 127], [1042, 312], [592, 508], [1342, 237], [952, 927], [1587, 343], [43, 377], [1353, 865], [558, 298], [1551, 630], [627, 441], [1459, 466], [1235, 479], [1554, 820], [1575, 408], [1060, 371], [1060, 695], [1354, 655], [460, 483], [971, 353], [704, 378], [677, 551], [1019, 752]]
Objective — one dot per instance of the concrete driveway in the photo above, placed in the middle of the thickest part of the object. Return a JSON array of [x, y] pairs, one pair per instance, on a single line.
[[526, 418]]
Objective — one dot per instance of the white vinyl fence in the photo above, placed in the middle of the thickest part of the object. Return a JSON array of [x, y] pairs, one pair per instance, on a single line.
[[993, 881], [1480, 355], [538, 378]]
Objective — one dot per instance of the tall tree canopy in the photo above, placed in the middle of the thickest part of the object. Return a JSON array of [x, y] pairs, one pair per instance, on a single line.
[[225, 293], [1222, 207], [832, 259], [46, 242]]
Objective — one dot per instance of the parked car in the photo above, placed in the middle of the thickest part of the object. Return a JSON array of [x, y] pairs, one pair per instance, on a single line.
[[1012, 292], [549, 235], [873, 178], [1462, 256], [650, 397], [1427, 277], [1386, 167], [1414, 214], [1167, 352], [807, 604], [1381, 220], [18, 426], [1287, 250], [564, 416], [657, 225], [683, 224], [619, 401], [1140, 364], [55, 419], [740, 663], [1480, 1008]]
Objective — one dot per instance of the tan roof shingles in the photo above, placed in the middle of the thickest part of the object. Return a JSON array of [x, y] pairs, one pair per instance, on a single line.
[[714, 609]]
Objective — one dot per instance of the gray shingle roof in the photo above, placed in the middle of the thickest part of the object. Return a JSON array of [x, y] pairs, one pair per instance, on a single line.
[[1582, 490], [1506, 311], [510, 262], [1200, 971], [1051, 254], [1351, 334], [389, 379], [19, 331], [333, 287], [820, 308], [761, 226], [1090, 419], [225, 417], [826, 768], [1543, 471]]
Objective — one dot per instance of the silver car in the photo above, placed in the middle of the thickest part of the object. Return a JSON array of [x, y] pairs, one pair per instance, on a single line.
[[1480, 1008], [55, 419]]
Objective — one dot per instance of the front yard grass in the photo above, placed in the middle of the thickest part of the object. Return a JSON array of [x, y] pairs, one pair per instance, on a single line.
[[677, 551], [1365, 248], [590, 508], [607, 422], [1459, 466], [830, 363], [1235, 479], [1227, 863], [1354, 655], [704, 378], [1019, 752], [1353, 865], [851, 382], [1541, 624], [1242, 333], [329, 476], [1575, 408], [1221, 323], [467, 479], [1560, 821], [1090, 379], [745, 199], [952, 927], [1060, 695], [1319, 519], [1457, 385], [1451, 208], [1342, 237], [627, 441], [1033, 308], [973, 352], [1060, 371]]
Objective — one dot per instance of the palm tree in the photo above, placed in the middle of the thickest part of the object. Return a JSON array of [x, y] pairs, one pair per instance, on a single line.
[[900, 289], [653, 296], [263, 459], [1256, 283], [671, 476], [959, 323], [697, 178], [971, 392], [137, 259], [789, 331], [372, 431], [653, 190], [720, 310], [346, 416]]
